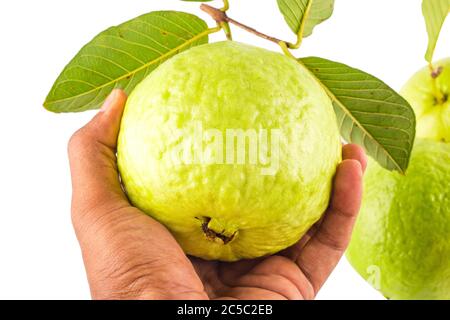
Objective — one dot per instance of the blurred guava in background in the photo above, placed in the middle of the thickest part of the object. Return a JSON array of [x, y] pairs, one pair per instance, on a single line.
[[401, 242], [430, 100]]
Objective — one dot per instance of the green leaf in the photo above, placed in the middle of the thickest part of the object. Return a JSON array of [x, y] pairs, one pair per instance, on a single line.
[[300, 20], [123, 56], [369, 112], [434, 12]]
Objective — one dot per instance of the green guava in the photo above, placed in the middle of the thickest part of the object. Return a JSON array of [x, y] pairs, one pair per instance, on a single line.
[[430, 99], [401, 242], [233, 148]]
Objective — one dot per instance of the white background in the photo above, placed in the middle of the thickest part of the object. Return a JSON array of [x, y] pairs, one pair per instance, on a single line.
[[39, 255]]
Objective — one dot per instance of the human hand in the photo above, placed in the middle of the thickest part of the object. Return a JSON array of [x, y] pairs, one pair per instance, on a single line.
[[129, 255]]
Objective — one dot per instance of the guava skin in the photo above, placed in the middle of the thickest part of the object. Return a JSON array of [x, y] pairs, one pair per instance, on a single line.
[[221, 211], [401, 241], [433, 117]]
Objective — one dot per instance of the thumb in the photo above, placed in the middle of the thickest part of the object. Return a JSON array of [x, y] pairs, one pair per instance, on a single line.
[[92, 155], [104, 127]]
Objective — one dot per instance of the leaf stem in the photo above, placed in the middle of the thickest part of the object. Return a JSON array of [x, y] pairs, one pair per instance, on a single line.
[[226, 28], [226, 6], [285, 47], [225, 25], [302, 27]]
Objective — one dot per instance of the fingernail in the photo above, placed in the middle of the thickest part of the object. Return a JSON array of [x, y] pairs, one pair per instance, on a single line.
[[109, 100]]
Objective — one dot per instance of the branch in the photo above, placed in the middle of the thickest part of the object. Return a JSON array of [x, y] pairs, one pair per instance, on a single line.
[[221, 17]]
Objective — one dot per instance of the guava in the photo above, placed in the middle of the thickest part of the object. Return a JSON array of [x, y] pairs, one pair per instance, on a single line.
[[429, 95], [401, 241], [198, 152]]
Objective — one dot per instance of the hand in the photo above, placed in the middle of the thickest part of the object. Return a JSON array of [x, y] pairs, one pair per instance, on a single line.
[[129, 255]]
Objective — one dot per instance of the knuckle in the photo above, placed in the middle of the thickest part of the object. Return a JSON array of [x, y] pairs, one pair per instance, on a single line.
[[326, 238], [78, 141]]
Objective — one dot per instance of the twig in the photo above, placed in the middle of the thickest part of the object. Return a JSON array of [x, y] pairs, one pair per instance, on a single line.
[[221, 17]]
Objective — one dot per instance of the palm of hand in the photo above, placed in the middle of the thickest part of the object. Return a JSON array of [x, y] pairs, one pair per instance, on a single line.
[[271, 278]]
